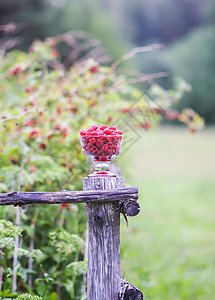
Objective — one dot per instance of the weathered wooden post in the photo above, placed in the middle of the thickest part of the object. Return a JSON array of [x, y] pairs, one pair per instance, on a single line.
[[103, 223]]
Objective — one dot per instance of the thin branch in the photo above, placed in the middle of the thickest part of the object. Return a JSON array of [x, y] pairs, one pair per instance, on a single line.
[[135, 51], [146, 77], [19, 116]]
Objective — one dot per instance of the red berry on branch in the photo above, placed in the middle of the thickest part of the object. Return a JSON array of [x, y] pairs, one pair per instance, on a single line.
[[57, 127], [42, 146], [33, 169], [74, 109], [50, 135], [64, 205], [146, 125], [93, 69], [125, 110], [192, 130], [92, 104]]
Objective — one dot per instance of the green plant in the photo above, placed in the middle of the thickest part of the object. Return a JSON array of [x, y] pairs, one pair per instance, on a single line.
[[43, 107]]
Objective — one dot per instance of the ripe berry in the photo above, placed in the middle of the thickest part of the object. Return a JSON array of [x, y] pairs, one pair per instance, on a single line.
[[33, 169], [42, 146], [107, 131], [119, 132], [100, 143], [82, 132], [93, 69], [105, 147], [103, 127]]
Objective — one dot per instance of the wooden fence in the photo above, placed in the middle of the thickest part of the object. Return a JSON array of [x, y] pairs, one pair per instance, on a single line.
[[104, 199]]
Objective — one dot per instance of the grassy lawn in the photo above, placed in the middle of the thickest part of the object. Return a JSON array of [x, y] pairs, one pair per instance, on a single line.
[[171, 254]]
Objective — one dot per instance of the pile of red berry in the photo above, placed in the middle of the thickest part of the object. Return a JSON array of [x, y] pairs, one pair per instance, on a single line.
[[102, 143]]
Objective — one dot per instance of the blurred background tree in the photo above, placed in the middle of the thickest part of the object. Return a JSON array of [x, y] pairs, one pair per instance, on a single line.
[[185, 27]]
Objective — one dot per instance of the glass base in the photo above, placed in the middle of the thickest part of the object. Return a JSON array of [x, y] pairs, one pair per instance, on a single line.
[[102, 174], [101, 169]]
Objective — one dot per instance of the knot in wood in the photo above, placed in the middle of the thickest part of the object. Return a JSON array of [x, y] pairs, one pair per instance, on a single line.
[[129, 292], [99, 218], [130, 207]]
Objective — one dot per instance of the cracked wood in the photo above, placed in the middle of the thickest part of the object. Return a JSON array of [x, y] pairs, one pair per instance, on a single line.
[[108, 195]]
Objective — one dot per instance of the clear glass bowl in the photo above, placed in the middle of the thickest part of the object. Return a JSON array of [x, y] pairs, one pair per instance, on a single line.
[[101, 149]]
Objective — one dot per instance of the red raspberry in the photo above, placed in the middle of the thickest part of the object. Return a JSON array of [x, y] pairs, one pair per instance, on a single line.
[[57, 127], [100, 143], [105, 147], [103, 127], [107, 131], [42, 146], [125, 110], [82, 132], [93, 69], [94, 133], [112, 128], [192, 130], [119, 132], [109, 138], [27, 90], [100, 152], [94, 149], [93, 127], [73, 109], [146, 125], [93, 140], [33, 169], [64, 205]]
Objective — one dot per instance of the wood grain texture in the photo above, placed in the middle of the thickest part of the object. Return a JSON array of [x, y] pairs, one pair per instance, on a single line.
[[103, 221], [23, 198]]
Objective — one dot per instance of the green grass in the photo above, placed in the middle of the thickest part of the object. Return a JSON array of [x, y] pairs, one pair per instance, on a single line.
[[171, 251]]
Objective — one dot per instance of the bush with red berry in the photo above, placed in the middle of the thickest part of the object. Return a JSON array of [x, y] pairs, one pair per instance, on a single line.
[[42, 109]]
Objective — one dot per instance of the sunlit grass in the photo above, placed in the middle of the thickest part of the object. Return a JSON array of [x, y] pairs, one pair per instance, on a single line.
[[171, 251]]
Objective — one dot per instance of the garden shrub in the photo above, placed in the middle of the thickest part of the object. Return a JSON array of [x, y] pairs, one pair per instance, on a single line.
[[43, 106]]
